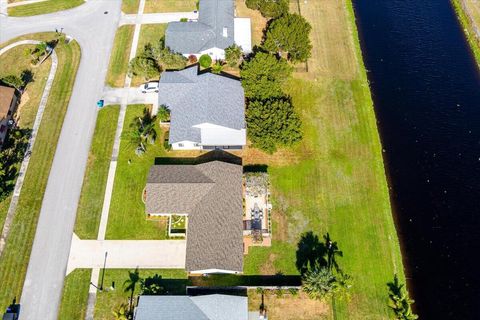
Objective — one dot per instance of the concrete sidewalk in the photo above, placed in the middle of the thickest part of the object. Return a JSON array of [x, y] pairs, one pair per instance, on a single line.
[[151, 18], [127, 254]]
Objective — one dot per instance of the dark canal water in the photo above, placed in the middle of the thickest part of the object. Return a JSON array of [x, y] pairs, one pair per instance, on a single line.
[[426, 89]]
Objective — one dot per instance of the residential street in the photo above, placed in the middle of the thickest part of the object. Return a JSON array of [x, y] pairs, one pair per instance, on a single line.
[[94, 29]]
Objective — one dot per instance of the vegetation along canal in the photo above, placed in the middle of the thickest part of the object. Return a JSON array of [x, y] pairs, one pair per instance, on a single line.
[[426, 88]]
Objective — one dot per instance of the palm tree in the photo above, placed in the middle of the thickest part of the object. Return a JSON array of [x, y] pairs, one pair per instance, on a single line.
[[142, 131], [332, 252], [319, 283], [400, 303], [121, 312], [131, 283]]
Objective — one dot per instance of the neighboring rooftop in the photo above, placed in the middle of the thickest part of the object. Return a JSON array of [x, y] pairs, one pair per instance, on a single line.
[[6, 96], [211, 194], [209, 307], [214, 29], [195, 99]]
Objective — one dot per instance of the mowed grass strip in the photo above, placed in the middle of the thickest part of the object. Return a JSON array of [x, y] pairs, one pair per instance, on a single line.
[[149, 33], [75, 295], [127, 218], [130, 6], [153, 6], [43, 7], [118, 67], [174, 281], [14, 260], [469, 16], [93, 189], [337, 183]]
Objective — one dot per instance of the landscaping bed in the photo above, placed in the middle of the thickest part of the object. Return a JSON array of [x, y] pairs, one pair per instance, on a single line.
[[14, 260]]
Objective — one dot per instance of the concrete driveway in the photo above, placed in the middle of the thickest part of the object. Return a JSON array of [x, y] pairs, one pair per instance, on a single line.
[[132, 95], [127, 254], [93, 25], [158, 17]]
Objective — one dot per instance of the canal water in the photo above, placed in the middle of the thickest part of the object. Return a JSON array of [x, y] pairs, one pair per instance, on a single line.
[[426, 89]]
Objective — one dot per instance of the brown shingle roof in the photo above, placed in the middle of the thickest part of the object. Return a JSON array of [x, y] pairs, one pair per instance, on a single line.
[[211, 195], [6, 96]]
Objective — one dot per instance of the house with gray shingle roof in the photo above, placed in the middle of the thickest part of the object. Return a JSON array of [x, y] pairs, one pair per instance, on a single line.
[[207, 111], [207, 307], [216, 29], [210, 196]]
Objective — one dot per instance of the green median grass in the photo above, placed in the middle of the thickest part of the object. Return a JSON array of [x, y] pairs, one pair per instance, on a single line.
[[43, 7], [118, 67], [174, 281], [127, 219], [93, 189], [75, 295], [14, 260], [336, 184]]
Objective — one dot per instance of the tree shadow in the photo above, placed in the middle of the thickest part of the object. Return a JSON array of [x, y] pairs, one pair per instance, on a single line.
[[27, 77], [395, 287], [310, 253]]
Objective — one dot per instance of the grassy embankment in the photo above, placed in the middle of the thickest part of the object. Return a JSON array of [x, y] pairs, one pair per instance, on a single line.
[[152, 6], [118, 67], [14, 260], [174, 282], [469, 20], [14, 62], [43, 7], [334, 181], [75, 295], [95, 179]]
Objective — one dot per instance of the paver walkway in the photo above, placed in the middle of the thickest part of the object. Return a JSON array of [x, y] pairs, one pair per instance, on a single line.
[[127, 254], [31, 142], [151, 18]]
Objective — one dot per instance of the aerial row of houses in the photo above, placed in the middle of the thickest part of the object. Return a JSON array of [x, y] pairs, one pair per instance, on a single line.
[[207, 112]]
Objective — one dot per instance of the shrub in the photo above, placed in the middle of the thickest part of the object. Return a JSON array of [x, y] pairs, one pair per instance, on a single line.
[[144, 67], [289, 33], [233, 54], [12, 81], [273, 123], [205, 61], [184, 20], [264, 75], [217, 67], [269, 8], [192, 58], [163, 113]]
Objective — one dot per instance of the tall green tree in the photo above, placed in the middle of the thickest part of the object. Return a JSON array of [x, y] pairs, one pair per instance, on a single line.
[[13, 81], [290, 35], [319, 283], [264, 75], [269, 8], [130, 284], [272, 123], [142, 131], [144, 67]]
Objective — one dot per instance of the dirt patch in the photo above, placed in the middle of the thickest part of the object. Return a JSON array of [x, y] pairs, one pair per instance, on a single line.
[[268, 267], [289, 307], [280, 232], [282, 157]]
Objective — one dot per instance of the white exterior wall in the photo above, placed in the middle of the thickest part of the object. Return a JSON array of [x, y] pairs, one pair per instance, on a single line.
[[186, 145], [215, 53], [214, 271]]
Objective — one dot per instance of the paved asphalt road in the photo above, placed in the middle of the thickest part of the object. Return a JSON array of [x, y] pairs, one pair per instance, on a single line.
[[95, 32]]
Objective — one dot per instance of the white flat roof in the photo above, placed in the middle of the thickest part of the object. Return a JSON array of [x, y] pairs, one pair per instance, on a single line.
[[243, 34], [223, 137]]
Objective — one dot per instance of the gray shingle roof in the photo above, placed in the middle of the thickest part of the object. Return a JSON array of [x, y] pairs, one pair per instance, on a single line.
[[211, 195], [199, 98], [209, 307], [194, 37]]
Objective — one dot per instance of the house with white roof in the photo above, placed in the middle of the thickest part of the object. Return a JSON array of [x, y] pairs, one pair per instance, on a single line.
[[207, 111], [216, 29]]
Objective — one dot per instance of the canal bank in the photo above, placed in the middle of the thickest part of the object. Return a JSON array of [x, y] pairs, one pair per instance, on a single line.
[[426, 89], [468, 13]]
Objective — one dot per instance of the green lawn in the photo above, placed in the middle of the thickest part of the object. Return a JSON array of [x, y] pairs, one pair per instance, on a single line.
[[337, 184], [14, 260], [43, 7], [175, 281], [468, 25], [75, 295], [127, 218], [95, 180], [149, 33], [3, 210], [152, 6], [130, 6], [118, 67]]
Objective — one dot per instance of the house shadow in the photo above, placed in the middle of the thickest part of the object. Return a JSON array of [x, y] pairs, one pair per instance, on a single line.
[[255, 168], [214, 155], [310, 253]]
